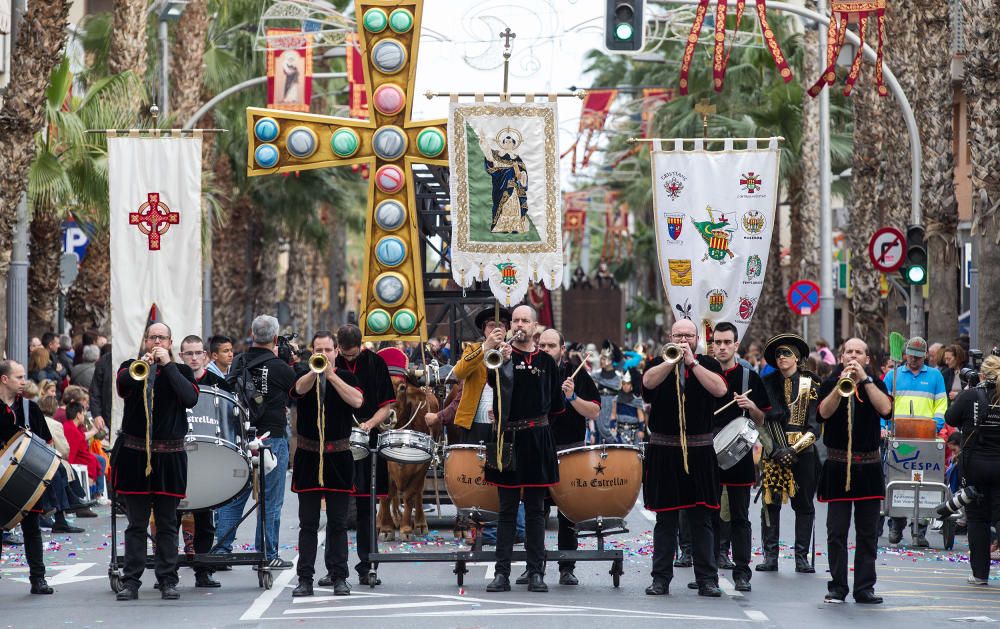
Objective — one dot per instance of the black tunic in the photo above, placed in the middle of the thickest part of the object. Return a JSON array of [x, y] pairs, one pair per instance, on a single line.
[[174, 391], [536, 393], [12, 418], [338, 467], [372, 375], [743, 474], [570, 428], [666, 486], [211, 379], [867, 481]]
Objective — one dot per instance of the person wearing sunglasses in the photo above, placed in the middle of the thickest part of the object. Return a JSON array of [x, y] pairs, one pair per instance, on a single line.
[[790, 467]]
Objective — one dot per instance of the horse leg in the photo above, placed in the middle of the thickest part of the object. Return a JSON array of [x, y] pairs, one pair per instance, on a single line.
[[417, 493]]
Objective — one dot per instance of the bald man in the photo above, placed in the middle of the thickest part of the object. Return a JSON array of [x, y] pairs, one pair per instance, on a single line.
[[681, 470]]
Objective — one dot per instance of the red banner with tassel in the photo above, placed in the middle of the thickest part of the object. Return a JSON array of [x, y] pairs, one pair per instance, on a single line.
[[844, 11]]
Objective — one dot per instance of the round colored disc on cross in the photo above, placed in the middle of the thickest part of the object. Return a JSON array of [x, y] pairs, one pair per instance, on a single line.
[[389, 179], [378, 321], [391, 289], [389, 99], [404, 321], [266, 129], [389, 142], [375, 20], [301, 142], [388, 56], [400, 20], [266, 155], [430, 142], [390, 251], [345, 142], [390, 215]]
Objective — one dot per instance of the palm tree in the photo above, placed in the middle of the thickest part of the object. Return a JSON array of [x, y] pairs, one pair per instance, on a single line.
[[187, 67], [39, 42], [982, 88]]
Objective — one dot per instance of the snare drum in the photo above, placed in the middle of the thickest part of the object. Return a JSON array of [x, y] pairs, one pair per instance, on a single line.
[[359, 443], [218, 467], [27, 464], [735, 441], [465, 480], [598, 481], [406, 446]]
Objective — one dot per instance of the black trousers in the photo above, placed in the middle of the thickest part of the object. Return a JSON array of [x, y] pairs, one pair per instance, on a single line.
[[806, 471], [699, 519], [364, 533], [738, 530], [204, 537], [838, 522], [981, 471], [335, 555], [33, 547], [683, 533], [534, 528], [137, 508], [567, 540]]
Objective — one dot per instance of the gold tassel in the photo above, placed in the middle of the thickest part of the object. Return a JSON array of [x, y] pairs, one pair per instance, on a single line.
[[682, 419], [321, 425], [146, 403], [850, 441]]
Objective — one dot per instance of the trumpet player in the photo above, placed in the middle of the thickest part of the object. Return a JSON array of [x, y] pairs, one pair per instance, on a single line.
[[474, 415], [681, 471], [852, 406], [324, 467], [149, 464]]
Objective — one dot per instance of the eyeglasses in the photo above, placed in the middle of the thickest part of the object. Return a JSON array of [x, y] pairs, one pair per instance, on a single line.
[[156, 338], [784, 353], [192, 354], [685, 336]]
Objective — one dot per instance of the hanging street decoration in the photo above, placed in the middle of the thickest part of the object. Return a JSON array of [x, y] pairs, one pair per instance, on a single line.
[[842, 12], [596, 105], [289, 69]]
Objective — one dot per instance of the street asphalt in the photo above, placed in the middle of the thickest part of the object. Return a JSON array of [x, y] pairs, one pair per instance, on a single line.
[[922, 587]]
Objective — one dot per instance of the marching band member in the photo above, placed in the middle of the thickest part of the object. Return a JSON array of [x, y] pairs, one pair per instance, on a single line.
[[150, 464], [570, 429], [791, 462], [473, 414], [324, 466], [746, 388], [19, 412], [681, 471], [523, 462], [852, 406]]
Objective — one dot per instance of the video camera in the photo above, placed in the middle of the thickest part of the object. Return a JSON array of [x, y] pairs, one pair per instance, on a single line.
[[286, 349], [969, 376]]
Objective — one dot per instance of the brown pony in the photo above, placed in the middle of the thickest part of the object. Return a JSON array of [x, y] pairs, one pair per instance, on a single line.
[[403, 508]]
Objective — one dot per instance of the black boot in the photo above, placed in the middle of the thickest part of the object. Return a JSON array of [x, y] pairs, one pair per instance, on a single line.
[[304, 588], [536, 583], [683, 559], [769, 531], [725, 563], [803, 535], [500, 583], [341, 588], [205, 580], [40, 586], [658, 588]]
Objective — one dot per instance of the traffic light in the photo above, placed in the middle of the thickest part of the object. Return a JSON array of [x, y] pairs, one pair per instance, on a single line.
[[623, 25], [628, 325], [914, 268]]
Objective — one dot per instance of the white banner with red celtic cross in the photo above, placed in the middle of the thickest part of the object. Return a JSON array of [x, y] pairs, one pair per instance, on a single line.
[[155, 195], [714, 218]]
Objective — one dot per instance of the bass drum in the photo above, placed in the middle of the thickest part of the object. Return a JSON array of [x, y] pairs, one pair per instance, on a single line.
[[27, 464], [218, 467], [600, 481], [465, 480]]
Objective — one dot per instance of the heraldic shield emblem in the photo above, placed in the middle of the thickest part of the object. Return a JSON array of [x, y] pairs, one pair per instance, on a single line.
[[675, 222]]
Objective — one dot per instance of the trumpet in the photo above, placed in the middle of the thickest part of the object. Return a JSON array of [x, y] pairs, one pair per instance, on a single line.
[[138, 370], [318, 363], [494, 357], [672, 353], [846, 386]]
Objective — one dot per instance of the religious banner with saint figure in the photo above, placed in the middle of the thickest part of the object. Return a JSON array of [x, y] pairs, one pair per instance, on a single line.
[[289, 69], [505, 215]]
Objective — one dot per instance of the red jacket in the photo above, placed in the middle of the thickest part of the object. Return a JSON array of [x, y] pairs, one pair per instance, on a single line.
[[79, 449]]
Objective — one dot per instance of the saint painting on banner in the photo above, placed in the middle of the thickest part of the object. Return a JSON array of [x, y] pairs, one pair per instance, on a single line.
[[506, 217]]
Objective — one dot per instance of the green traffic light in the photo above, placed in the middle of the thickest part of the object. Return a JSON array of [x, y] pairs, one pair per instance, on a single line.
[[916, 274], [628, 325], [623, 31]]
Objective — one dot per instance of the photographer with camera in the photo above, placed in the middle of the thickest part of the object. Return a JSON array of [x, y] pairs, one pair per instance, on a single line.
[[976, 412], [262, 379]]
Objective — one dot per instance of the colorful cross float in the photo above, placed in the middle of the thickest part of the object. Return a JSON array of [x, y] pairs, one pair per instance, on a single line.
[[389, 142]]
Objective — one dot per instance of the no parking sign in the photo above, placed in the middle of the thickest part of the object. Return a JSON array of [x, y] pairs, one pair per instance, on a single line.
[[803, 297]]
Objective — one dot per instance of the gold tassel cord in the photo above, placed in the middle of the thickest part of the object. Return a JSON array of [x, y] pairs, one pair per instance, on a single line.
[[147, 404], [499, 421], [681, 418], [850, 441], [321, 426]]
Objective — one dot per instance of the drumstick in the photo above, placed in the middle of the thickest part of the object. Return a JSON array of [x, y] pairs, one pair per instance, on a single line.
[[731, 402], [584, 362]]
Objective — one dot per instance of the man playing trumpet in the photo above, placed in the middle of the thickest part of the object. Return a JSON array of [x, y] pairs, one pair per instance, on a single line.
[[852, 405]]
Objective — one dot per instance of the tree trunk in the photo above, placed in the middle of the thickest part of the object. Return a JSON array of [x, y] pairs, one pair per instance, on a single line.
[[303, 285], [88, 299], [772, 315], [231, 247], [43, 272], [128, 37], [982, 88], [187, 67], [40, 39]]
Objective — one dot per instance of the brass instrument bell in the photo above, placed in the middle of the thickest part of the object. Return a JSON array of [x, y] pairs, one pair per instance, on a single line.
[[318, 363]]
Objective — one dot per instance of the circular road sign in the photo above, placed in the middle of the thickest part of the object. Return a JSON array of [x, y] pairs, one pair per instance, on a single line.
[[803, 297], [887, 249]]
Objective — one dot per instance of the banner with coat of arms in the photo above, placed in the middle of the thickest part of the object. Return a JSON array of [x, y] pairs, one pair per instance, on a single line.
[[505, 197], [714, 219]]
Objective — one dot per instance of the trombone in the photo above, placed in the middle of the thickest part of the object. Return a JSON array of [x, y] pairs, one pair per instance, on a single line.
[[672, 353], [318, 363]]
